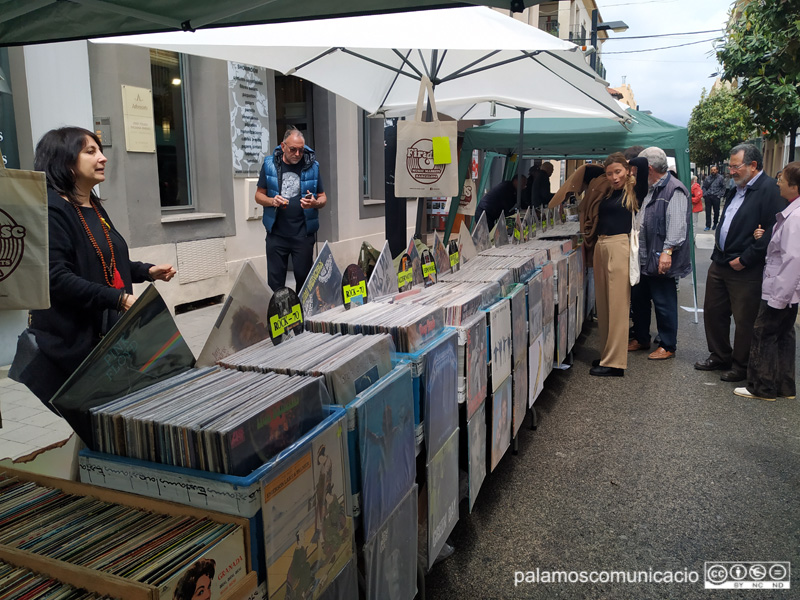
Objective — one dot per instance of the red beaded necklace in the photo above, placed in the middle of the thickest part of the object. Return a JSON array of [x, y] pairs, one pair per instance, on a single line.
[[109, 271]]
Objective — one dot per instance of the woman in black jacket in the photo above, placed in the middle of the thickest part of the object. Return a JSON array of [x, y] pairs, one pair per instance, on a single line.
[[91, 274]]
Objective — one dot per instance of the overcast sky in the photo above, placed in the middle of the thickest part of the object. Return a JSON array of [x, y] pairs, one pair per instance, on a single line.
[[666, 82]]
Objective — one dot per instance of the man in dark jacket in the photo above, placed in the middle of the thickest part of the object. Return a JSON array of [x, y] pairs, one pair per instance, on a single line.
[[733, 285], [502, 198], [664, 256], [713, 189], [290, 190]]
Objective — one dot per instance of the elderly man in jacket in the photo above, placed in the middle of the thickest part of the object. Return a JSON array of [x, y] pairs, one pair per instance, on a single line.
[[733, 284], [664, 256]]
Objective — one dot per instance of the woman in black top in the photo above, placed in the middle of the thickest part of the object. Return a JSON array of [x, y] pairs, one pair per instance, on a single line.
[[611, 260], [91, 274]]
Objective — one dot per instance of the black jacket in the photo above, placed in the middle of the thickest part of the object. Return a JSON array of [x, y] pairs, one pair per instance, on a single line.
[[762, 201], [83, 306]]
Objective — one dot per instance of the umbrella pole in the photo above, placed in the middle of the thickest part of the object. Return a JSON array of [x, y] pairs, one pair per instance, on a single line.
[[519, 155]]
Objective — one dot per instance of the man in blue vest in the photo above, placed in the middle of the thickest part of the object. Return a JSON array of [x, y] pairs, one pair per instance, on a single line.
[[290, 190], [663, 256]]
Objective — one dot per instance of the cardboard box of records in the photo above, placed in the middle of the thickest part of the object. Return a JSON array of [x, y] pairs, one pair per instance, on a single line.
[[121, 545]]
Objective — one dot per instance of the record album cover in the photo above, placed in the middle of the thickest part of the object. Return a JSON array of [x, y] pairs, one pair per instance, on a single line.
[[500, 234], [476, 428], [386, 440], [534, 307], [390, 556], [354, 287], [142, 348], [428, 267], [466, 245], [480, 234], [519, 322], [454, 253], [307, 533], [520, 394], [500, 342], [440, 255], [383, 280], [476, 368], [322, 288], [442, 496], [501, 421], [548, 347], [242, 321], [405, 273], [440, 391], [535, 370], [285, 315]]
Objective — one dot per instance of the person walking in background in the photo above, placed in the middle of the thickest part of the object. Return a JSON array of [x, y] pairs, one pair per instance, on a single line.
[[733, 283], [713, 189], [664, 256], [697, 200], [770, 372], [91, 273]]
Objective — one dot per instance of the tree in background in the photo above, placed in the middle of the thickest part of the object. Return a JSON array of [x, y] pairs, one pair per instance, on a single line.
[[718, 123], [760, 51]]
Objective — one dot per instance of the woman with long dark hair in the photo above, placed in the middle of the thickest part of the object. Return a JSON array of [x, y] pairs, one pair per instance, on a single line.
[[91, 274]]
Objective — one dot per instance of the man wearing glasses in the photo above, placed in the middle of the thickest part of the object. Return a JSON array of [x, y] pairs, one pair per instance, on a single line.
[[290, 190], [733, 284]]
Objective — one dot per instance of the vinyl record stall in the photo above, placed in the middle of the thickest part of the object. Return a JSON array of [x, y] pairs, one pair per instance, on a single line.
[[335, 432]]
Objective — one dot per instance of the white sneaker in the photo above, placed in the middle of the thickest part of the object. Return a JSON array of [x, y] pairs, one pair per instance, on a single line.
[[742, 391]]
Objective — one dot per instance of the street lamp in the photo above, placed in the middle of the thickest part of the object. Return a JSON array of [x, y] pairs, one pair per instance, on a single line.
[[617, 26]]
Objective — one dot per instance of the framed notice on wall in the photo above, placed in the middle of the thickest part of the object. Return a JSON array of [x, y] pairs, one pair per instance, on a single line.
[[137, 110], [249, 109]]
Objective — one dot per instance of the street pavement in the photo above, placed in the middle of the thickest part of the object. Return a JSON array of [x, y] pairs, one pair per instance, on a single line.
[[663, 470]]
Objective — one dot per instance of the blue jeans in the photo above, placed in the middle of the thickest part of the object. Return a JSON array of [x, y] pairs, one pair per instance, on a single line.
[[663, 292]]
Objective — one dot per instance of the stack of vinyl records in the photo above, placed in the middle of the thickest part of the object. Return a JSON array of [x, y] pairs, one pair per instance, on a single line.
[[214, 419], [16, 582], [521, 266], [502, 276], [460, 301], [350, 364], [150, 548], [409, 326]]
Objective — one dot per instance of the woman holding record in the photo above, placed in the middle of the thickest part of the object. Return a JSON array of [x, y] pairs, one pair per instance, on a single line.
[[91, 273]]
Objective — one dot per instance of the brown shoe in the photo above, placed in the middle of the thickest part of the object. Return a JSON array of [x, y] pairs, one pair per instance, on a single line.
[[634, 345], [661, 354]]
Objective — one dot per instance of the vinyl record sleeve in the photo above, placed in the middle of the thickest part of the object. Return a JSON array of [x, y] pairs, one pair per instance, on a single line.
[[143, 348], [466, 245], [475, 365], [285, 315], [520, 394], [536, 370], [383, 280], [442, 497], [440, 255], [476, 457], [428, 268], [307, 534], [548, 347], [440, 391], [390, 556], [499, 345], [242, 321], [562, 336], [501, 231], [548, 294], [534, 286], [480, 234], [386, 444], [322, 288], [501, 422], [354, 286], [519, 323]]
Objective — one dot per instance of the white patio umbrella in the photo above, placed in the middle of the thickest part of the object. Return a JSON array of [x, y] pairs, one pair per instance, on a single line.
[[472, 55]]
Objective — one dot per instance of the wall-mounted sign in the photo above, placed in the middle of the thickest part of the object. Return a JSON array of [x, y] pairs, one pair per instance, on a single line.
[[249, 111], [137, 111]]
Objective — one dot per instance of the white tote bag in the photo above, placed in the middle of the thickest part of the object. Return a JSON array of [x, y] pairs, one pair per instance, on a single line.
[[24, 247], [633, 259], [416, 172]]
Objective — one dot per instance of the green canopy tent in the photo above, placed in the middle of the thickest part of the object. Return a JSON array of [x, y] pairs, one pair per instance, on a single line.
[[576, 138], [40, 21]]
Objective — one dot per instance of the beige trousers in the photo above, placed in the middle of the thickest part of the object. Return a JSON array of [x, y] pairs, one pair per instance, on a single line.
[[613, 298]]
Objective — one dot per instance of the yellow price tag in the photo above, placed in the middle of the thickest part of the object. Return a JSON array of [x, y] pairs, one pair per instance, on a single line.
[[516, 234], [453, 259], [352, 291], [278, 325], [428, 269], [404, 278], [441, 151]]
